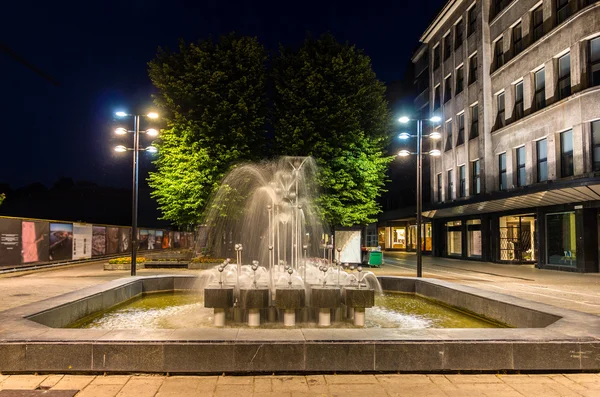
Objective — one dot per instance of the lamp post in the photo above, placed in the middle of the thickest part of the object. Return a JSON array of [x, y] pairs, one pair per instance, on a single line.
[[403, 153], [136, 155]]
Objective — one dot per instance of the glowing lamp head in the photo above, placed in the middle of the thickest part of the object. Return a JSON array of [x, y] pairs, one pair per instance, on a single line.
[[403, 153], [120, 149], [435, 153], [152, 132], [121, 114], [435, 119], [120, 131], [152, 115], [404, 135], [435, 135], [151, 149], [404, 119]]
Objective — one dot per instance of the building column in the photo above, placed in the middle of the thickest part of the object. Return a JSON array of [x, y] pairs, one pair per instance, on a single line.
[[540, 239], [586, 225], [578, 150]]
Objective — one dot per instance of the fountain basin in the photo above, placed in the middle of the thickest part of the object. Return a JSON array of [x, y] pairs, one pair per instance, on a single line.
[[545, 338]]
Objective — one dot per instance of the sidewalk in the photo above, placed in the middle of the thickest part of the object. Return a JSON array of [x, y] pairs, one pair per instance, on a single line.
[[314, 385]]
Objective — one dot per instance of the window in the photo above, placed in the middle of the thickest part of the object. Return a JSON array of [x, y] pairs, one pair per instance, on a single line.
[[460, 139], [596, 145], [564, 76], [500, 119], [537, 21], [476, 188], [448, 136], [542, 160], [517, 238], [499, 54], [459, 33], [447, 46], [566, 153], [460, 77], [562, 10], [517, 38], [474, 238], [518, 113], [450, 185], [521, 173], [503, 183], [436, 57], [462, 187], [439, 188], [499, 5], [474, 130], [540, 89], [561, 239], [472, 20], [437, 98], [454, 238], [595, 62], [473, 69], [447, 89]]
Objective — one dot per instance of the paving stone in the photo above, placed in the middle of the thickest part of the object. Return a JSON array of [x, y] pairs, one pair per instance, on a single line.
[[111, 380], [38, 393], [233, 390], [562, 389], [584, 378], [141, 386], [350, 379], [50, 381], [235, 380], [423, 390], [520, 378], [357, 390], [104, 390], [314, 380], [178, 385], [403, 379], [290, 384], [439, 380], [272, 394], [23, 382], [563, 380], [458, 379], [262, 385], [536, 389], [73, 382]]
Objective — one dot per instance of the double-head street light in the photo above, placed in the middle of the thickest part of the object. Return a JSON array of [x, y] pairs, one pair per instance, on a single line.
[[136, 154], [404, 153]]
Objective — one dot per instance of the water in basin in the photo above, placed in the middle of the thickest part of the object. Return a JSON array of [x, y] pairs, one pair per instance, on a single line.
[[177, 310]]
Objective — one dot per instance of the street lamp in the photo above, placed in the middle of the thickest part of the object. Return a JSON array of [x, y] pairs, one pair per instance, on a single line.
[[136, 155], [404, 153]]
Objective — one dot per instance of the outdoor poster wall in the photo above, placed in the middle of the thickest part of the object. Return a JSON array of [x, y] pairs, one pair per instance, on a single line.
[[82, 241], [10, 242], [35, 238], [61, 241], [112, 240], [143, 239], [98, 240], [349, 241], [124, 239], [151, 239]]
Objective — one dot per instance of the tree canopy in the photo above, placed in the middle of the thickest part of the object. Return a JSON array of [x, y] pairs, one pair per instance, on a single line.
[[329, 104], [213, 97]]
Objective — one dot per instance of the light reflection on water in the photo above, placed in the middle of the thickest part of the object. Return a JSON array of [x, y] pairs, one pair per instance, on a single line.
[[186, 310]]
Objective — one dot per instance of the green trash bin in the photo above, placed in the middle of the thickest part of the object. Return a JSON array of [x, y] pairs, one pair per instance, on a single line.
[[375, 258]]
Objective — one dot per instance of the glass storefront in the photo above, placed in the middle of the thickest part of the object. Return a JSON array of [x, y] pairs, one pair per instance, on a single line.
[[381, 237], [454, 238], [398, 238], [517, 234], [474, 238], [425, 235], [560, 239]]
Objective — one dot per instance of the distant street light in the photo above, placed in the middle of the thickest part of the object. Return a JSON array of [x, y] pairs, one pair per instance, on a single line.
[[404, 153], [136, 155]]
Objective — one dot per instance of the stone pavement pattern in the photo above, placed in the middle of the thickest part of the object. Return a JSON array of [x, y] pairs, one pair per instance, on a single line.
[[312, 385]]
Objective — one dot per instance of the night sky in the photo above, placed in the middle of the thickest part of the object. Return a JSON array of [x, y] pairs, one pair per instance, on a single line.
[[97, 51]]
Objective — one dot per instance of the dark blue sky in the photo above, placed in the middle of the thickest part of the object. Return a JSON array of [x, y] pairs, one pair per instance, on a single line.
[[98, 51]]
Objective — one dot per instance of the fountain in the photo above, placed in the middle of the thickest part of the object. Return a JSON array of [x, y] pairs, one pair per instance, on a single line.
[[267, 211]]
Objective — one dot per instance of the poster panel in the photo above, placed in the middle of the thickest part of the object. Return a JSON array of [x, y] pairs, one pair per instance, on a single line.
[[202, 239], [124, 239], [176, 240], [98, 240], [143, 239], [61, 241], [35, 237], [112, 240], [349, 242], [166, 240], [151, 239], [158, 240], [10, 242], [189, 240], [82, 241]]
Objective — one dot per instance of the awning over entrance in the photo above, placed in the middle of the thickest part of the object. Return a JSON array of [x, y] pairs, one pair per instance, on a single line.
[[578, 192]]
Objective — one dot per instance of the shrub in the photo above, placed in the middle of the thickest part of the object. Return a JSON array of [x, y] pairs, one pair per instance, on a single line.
[[126, 260], [207, 259]]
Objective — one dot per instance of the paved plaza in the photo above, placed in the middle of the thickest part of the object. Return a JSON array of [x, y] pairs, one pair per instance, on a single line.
[[567, 290]]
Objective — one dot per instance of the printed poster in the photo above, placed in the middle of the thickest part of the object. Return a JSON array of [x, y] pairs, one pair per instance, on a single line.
[[82, 241]]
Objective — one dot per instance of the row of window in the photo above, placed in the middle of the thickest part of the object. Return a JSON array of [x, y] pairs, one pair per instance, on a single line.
[[541, 165], [458, 33], [563, 86], [459, 82], [460, 122]]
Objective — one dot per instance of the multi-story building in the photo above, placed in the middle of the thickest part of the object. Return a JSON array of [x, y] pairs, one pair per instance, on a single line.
[[517, 84]]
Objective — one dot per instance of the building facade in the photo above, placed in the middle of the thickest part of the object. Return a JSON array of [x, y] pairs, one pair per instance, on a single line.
[[517, 84]]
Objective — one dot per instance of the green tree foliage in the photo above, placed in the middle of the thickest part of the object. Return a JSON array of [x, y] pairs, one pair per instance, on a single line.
[[2, 197], [213, 98], [329, 104]]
